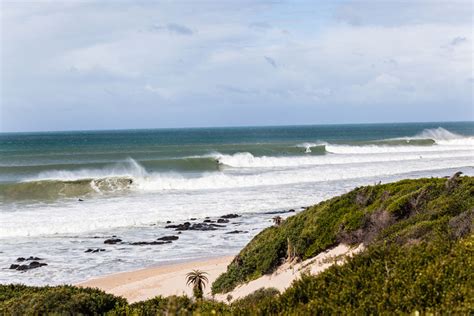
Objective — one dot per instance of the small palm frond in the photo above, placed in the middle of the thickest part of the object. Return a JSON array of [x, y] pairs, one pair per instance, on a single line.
[[197, 278]]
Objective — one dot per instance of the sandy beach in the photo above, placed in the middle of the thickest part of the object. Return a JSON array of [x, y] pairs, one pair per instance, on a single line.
[[163, 280], [169, 280]]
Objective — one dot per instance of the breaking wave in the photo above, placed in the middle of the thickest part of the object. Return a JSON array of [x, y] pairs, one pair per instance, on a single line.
[[54, 189], [223, 170], [312, 147]]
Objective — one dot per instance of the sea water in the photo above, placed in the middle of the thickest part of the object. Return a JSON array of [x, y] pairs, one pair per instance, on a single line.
[[62, 193]]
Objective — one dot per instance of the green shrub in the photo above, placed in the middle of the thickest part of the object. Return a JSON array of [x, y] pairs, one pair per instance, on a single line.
[[419, 258], [406, 211], [173, 305], [393, 279], [64, 300]]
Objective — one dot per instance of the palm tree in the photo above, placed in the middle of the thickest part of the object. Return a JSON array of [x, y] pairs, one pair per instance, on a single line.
[[198, 280]]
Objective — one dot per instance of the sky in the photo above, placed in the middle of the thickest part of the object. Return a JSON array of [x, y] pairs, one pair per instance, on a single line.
[[81, 65]]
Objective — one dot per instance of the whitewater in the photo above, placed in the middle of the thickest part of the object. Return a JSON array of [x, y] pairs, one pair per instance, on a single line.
[[64, 193]]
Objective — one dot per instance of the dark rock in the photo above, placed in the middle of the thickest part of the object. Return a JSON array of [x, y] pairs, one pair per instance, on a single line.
[[208, 221], [202, 227], [20, 259], [192, 218], [184, 226], [80, 200], [33, 258], [207, 225], [230, 216], [168, 222], [222, 220], [280, 212], [216, 225], [168, 238], [112, 241], [24, 267], [172, 226], [237, 232], [144, 243], [207, 217], [36, 264], [95, 250]]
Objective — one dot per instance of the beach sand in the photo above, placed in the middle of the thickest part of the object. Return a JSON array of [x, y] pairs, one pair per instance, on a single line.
[[171, 279], [166, 280]]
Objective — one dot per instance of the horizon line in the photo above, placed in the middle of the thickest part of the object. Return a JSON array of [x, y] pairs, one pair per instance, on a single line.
[[228, 126]]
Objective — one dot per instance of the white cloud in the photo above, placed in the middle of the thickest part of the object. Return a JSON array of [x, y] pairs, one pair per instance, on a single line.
[[216, 56]]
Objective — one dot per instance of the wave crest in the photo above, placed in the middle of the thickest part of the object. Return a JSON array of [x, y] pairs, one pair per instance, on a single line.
[[55, 189], [308, 147], [442, 136]]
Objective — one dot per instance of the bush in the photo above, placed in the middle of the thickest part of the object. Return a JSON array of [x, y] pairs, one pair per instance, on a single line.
[[428, 277], [67, 300], [407, 211], [419, 258]]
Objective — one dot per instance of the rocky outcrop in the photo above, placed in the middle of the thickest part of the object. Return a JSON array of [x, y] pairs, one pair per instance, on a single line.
[[168, 238], [112, 241], [91, 250], [32, 265]]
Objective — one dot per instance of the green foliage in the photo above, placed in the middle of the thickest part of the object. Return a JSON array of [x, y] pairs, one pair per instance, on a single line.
[[407, 211], [64, 300], [392, 279], [419, 258], [172, 305], [198, 280]]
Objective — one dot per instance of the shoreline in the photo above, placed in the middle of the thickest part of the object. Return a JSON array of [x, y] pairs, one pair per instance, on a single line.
[[170, 279], [165, 280]]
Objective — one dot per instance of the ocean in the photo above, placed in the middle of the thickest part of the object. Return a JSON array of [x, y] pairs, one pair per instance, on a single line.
[[62, 193]]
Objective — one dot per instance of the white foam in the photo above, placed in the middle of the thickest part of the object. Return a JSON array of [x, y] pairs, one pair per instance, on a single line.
[[438, 134], [444, 137], [308, 146], [175, 197], [345, 154], [128, 168]]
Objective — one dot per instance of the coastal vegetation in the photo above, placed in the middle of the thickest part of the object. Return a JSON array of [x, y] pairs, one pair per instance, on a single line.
[[418, 257], [403, 213], [198, 280]]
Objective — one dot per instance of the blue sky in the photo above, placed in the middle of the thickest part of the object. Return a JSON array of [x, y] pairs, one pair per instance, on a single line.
[[73, 65]]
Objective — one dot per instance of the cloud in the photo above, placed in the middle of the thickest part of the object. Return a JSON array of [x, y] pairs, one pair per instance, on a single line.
[[271, 61], [458, 40], [179, 29], [404, 12], [362, 60], [164, 93], [173, 28], [260, 26]]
